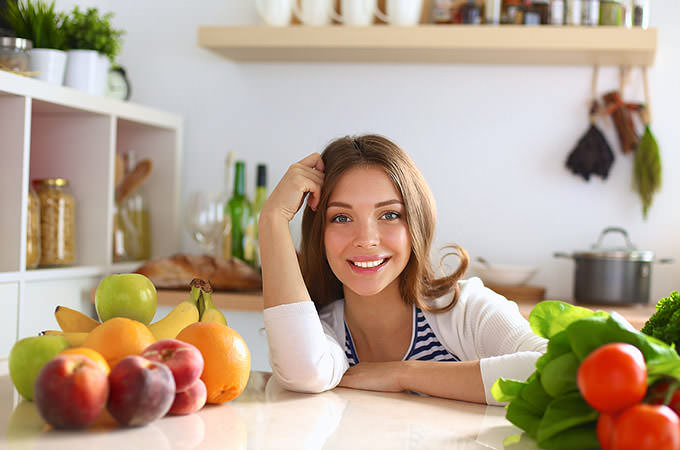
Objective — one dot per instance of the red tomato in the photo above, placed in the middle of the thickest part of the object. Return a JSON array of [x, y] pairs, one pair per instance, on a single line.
[[613, 377], [605, 430], [646, 427], [658, 395]]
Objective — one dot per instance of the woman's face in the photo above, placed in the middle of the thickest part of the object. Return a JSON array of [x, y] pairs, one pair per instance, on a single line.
[[366, 236]]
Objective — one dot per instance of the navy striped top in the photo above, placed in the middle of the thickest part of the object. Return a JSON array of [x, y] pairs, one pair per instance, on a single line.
[[424, 344]]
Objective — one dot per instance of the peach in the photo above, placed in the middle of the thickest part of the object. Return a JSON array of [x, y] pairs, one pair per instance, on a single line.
[[71, 391], [183, 359], [190, 400], [141, 391]]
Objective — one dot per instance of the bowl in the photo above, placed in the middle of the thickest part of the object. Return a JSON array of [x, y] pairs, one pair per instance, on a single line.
[[508, 274]]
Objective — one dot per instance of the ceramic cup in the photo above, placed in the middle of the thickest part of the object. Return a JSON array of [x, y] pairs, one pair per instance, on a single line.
[[356, 12], [401, 12], [314, 12], [277, 13]]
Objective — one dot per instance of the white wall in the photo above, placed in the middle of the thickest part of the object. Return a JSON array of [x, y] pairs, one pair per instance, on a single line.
[[491, 140]]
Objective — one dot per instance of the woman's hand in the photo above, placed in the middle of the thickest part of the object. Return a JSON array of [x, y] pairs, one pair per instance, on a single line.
[[374, 376], [302, 178]]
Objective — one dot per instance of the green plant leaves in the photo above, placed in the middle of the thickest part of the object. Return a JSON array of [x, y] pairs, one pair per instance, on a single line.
[[550, 317], [90, 31], [36, 21], [647, 169]]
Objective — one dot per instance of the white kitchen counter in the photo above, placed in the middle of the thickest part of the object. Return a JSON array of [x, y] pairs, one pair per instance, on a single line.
[[266, 416]]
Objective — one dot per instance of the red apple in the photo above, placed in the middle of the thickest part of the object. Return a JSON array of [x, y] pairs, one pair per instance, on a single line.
[[190, 400], [71, 391], [183, 359], [141, 391]]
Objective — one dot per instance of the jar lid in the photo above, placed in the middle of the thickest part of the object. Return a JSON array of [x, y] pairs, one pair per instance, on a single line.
[[52, 182], [13, 42]]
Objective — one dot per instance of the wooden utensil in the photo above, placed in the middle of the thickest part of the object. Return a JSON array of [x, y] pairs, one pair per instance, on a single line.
[[133, 180]]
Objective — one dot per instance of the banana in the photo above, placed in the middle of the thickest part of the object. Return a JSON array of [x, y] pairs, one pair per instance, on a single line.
[[75, 338], [72, 320], [201, 293], [214, 315], [169, 326]]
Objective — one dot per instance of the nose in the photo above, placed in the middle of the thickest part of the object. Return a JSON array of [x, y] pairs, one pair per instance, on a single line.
[[367, 234]]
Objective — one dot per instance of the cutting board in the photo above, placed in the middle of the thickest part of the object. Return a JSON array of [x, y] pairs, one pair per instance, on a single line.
[[520, 293]]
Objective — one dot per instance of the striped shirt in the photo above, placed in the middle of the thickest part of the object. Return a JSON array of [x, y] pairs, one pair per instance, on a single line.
[[424, 344]]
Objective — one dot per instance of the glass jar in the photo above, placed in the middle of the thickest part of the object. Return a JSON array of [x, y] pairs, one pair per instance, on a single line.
[[590, 12], [512, 13], [573, 12], [640, 13], [612, 13], [14, 53], [33, 230], [57, 222]]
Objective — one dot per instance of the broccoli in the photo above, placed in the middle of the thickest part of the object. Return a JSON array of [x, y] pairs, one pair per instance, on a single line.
[[665, 322]]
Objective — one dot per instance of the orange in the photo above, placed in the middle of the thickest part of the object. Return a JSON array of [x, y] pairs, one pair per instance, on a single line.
[[95, 356], [119, 337], [226, 357]]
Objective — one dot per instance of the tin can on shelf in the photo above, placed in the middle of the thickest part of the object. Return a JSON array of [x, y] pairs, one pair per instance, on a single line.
[[57, 222], [33, 230]]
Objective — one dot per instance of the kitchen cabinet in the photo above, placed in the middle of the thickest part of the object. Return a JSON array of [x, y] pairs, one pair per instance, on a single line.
[[486, 44], [53, 131]]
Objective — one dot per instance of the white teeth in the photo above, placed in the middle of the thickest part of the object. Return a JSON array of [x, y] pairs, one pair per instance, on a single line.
[[368, 264]]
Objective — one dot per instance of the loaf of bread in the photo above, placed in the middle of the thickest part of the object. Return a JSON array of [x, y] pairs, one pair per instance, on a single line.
[[177, 271]]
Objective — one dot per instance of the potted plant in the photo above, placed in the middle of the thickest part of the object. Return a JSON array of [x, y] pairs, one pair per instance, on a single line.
[[92, 45], [38, 22]]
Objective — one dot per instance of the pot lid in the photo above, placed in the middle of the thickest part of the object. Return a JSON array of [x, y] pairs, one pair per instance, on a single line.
[[15, 43], [628, 252]]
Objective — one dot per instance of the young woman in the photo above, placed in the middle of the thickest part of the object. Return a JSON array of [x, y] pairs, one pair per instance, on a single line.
[[362, 307]]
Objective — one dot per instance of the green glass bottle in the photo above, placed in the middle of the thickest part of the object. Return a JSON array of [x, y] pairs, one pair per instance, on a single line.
[[251, 249], [239, 210]]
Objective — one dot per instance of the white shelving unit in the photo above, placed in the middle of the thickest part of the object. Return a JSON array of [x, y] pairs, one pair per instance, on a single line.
[[54, 131]]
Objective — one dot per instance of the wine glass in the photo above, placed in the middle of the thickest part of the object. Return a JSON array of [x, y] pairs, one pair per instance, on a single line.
[[206, 220]]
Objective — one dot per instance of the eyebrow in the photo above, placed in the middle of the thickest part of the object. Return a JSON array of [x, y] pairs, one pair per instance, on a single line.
[[377, 205]]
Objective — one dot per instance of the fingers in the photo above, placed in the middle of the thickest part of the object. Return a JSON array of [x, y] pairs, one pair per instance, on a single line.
[[313, 161]]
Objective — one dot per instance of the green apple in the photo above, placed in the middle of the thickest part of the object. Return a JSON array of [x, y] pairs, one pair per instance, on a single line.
[[130, 295], [28, 356]]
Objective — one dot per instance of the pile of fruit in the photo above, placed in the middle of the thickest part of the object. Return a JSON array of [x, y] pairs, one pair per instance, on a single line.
[[137, 371], [600, 383]]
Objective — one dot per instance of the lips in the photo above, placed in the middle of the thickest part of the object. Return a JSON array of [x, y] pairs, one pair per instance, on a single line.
[[368, 264]]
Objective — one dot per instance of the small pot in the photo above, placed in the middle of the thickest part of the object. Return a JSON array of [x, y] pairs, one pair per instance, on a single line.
[[612, 276]]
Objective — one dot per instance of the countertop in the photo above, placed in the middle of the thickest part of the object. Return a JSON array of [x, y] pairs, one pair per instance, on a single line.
[[637, 315], [266, 416]]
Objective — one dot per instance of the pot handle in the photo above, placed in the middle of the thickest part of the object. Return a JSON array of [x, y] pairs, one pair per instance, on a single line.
[[629, 244], [666, 261], [561, 255]]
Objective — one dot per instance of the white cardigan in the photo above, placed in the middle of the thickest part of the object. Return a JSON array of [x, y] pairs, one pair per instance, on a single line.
[[306, 349]]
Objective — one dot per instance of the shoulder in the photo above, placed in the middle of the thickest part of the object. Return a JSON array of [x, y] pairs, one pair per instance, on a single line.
[[473, 296]]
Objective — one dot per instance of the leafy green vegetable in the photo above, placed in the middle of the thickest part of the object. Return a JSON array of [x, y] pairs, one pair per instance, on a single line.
[[647, 169], [548, 405], [550, 317], [559, 375], [665, 322]]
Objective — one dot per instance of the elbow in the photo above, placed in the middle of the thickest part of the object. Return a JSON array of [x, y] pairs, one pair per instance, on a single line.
[[309, 379]]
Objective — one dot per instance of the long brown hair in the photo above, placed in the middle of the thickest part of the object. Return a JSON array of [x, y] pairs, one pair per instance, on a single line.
[[417, 282]]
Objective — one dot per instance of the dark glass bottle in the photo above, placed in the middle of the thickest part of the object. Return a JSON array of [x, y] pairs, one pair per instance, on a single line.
[[239, 210], [251, 250], [470, 13]]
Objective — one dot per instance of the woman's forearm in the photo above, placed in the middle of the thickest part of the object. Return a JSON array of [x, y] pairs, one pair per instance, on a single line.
[[282, 280], [454, 380]]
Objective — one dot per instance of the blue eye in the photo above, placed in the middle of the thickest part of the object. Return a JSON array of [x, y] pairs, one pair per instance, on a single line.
[[391, 215], [340, 218]]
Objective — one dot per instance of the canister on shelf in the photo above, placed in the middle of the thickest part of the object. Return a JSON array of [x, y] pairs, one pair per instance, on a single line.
[[641, 13], [612, 13], [590, 12], [57, 222], [512, 12], [33, 230], [557, 12], [14, 53], [573, 12]]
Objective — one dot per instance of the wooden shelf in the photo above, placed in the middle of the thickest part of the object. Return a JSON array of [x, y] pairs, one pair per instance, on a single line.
[[506, 44]]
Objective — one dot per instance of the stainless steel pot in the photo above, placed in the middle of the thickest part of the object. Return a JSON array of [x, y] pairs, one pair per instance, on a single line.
[[612, 275]]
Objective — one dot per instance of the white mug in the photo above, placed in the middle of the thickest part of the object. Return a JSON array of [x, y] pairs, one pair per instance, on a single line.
[[275, 12], [314, 12], [356, 12], [401, 12]]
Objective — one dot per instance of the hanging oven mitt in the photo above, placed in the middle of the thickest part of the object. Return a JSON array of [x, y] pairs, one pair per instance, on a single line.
[[647, 165], [592, 154]]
